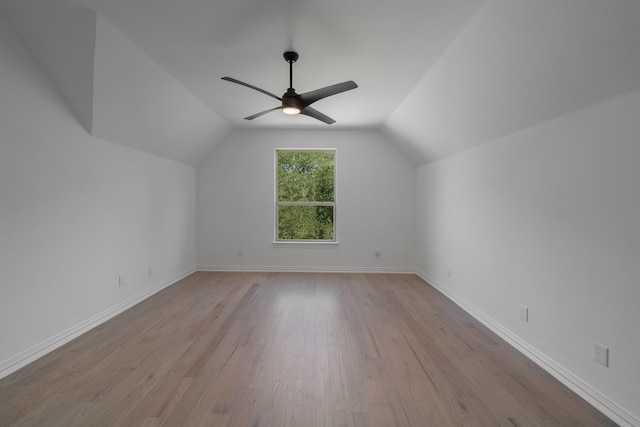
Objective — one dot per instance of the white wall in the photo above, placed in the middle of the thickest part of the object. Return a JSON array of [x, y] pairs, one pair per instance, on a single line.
[[76, 212], [375, 204], [549, 218]]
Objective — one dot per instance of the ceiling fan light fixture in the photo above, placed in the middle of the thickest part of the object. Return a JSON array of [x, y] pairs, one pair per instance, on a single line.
[[291, 110]]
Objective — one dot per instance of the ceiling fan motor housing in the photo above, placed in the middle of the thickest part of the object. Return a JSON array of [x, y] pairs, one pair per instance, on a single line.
[[291, 99]]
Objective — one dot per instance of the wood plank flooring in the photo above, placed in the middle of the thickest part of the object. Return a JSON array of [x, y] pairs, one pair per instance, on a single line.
[[290, 349]]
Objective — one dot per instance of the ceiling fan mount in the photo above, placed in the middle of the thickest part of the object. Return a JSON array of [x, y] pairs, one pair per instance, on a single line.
[[293, 103], [291, 56]]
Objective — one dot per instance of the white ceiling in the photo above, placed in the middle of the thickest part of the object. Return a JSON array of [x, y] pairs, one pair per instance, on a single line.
[[385, 47], [436, 76]]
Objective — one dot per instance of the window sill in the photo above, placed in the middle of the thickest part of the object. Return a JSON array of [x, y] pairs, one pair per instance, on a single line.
[[302, 244]]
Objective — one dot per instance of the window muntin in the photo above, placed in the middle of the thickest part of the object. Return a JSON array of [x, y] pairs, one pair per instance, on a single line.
[[305, 195]]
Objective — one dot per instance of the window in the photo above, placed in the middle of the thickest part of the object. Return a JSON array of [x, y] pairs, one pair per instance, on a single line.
[[305, 195]]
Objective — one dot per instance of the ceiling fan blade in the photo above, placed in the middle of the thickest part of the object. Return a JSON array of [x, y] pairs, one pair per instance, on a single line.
[[261, 113], [232, 80], [309, 98], [312, 112]]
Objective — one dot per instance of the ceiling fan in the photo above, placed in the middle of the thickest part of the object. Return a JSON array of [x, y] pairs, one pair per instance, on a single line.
[[292, 103]]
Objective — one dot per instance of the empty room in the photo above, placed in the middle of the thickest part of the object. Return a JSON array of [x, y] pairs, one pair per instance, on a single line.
[[303, 213]]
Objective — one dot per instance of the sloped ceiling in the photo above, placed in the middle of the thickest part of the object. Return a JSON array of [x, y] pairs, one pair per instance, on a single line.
[[517, 64], [139, 104], [117, 92], [436, 76]]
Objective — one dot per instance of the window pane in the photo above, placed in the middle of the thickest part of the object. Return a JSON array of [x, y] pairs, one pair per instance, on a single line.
[[305, 222], [305, 176]]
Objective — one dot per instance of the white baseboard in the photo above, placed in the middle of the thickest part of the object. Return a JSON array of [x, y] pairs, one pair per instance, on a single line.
[[9, 366], [588, 393], [307, 269]]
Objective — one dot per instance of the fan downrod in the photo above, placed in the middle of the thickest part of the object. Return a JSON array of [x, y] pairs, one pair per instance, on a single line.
[[291, 56]]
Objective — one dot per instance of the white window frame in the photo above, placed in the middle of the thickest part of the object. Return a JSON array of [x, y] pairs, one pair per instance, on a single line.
[[277, 203]]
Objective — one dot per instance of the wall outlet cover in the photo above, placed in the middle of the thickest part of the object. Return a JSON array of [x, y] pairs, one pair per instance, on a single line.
[[601, 354]]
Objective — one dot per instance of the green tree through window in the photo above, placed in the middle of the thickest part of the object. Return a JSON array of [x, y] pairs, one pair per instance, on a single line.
[[305, 195]]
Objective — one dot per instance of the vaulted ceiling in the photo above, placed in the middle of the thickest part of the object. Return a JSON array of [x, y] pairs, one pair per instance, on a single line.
[[436, 76]]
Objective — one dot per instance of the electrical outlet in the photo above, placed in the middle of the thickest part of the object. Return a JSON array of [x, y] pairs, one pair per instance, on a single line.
[[601, 354], [150, 271], [121, 281], [524, 313], [239, 252], [449, 272]]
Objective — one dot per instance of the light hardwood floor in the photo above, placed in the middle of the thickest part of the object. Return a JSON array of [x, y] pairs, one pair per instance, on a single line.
[[290, 349]]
